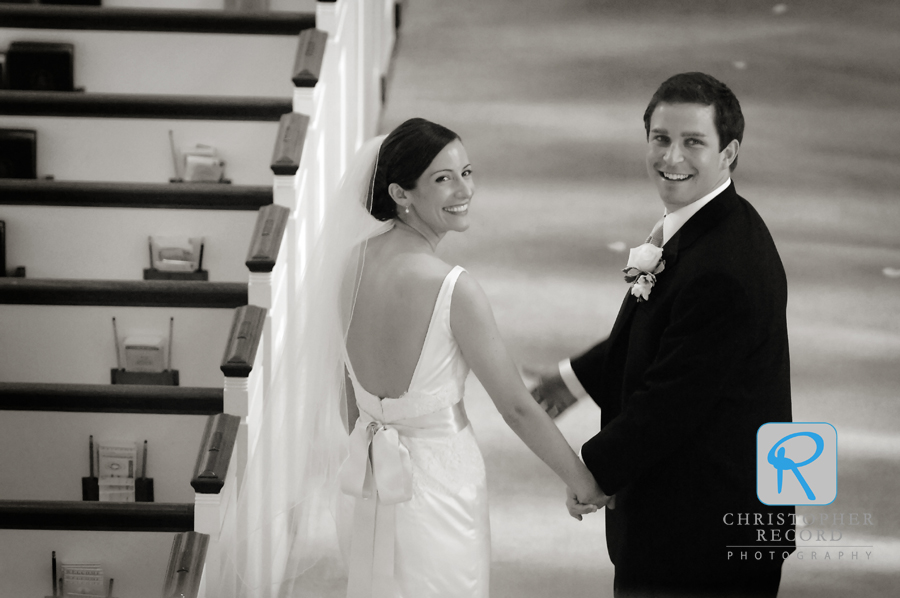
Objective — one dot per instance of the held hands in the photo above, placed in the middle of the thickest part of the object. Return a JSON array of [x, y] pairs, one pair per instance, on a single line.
[[589, 503], [550, 392]]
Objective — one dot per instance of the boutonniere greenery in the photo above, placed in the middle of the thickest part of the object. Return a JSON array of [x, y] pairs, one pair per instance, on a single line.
[[644, 263]]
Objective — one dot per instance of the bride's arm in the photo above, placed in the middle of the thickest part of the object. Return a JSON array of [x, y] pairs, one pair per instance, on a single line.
[[474, 328]]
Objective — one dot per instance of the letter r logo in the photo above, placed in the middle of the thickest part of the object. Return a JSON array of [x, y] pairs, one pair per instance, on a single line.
[[796, 463]]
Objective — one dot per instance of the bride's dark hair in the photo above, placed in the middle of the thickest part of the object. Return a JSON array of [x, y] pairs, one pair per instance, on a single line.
[[403, 157]]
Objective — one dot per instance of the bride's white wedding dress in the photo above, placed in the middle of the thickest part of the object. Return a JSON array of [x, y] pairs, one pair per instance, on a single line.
[[428, 534]]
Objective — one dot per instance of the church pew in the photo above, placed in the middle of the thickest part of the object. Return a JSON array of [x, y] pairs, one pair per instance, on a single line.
[[335, 150], [98, 220], [60, 331], [154, 49], [125, 137], [136, 560], [54, 444], [130, 540]]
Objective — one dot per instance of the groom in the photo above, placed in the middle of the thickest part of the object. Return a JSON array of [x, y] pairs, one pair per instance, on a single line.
[[696, 362]]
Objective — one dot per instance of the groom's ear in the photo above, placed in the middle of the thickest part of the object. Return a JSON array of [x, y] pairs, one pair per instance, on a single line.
[[398, 194], [730, 152]]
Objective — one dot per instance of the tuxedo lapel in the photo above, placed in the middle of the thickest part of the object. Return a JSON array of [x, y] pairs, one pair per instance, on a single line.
[[625, 312], [706, 218]]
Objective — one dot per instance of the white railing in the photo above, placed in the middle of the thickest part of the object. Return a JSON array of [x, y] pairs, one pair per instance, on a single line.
[[344, 108]]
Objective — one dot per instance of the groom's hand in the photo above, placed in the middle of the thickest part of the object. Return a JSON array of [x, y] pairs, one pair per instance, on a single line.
[[552, 394]]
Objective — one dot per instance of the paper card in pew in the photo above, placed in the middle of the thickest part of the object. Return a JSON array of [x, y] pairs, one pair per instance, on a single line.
[[83, 579], [116, 459], [203, 165], [176, 254], [110, 491], [144, 353], [247, 5]]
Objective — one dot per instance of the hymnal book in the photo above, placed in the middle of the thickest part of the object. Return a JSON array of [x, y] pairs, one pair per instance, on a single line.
[[83, 580]]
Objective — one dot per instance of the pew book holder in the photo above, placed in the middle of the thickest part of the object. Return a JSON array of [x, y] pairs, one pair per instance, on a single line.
[[143, 489], [163, 378], [18, 153], [40, 66], [19, 271]]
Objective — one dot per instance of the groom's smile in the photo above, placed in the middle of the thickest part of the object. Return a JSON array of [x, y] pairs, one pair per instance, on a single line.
[[683, 154], [671, 176]]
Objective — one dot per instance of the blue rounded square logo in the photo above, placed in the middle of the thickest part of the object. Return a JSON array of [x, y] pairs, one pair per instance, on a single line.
[[796, 463]]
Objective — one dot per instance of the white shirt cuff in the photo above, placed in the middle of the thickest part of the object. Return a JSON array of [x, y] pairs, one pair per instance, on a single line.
[[568, 376]]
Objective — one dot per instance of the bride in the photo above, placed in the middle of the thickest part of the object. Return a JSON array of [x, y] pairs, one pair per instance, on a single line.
[[418, 326], [389, 333]]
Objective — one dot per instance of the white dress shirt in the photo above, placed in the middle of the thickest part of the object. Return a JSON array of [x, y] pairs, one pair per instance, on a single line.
[[675, 220], [671, 224]]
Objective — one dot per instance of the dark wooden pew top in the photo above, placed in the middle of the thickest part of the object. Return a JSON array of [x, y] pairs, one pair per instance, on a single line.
[[121, 105], [97, 516], [110, 398], [188, 196], [154, 19], [137, 293]]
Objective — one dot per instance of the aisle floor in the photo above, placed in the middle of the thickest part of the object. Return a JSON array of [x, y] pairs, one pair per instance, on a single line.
[[548, 96]]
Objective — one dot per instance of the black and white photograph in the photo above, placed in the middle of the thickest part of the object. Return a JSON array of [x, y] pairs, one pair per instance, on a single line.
[[449, 299]]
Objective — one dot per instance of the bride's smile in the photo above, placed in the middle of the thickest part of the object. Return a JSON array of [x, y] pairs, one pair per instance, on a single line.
[[462, 208]]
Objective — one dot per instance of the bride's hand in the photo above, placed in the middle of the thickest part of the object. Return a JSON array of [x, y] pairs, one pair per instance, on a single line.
[[588, 503]]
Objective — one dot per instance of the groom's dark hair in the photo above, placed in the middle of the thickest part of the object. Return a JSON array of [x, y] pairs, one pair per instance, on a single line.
[[700, 88], [403, 157]]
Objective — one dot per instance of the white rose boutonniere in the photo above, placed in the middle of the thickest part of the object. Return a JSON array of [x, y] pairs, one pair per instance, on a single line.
[[644, 263]]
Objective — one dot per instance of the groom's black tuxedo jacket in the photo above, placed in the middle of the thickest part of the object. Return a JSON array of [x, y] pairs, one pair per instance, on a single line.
[[684, 381]]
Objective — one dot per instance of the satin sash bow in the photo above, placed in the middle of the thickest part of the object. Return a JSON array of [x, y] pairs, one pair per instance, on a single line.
[[378, 472]]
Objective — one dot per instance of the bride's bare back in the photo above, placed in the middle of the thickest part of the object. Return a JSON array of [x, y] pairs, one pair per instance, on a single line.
[[396, 297]]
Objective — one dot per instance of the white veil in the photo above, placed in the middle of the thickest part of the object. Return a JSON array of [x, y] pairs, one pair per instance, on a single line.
[[279, 537]]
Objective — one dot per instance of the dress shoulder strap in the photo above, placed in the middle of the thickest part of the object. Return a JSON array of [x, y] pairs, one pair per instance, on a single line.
[[453, 276], [439, 325], [446, 293], [442, 306]]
